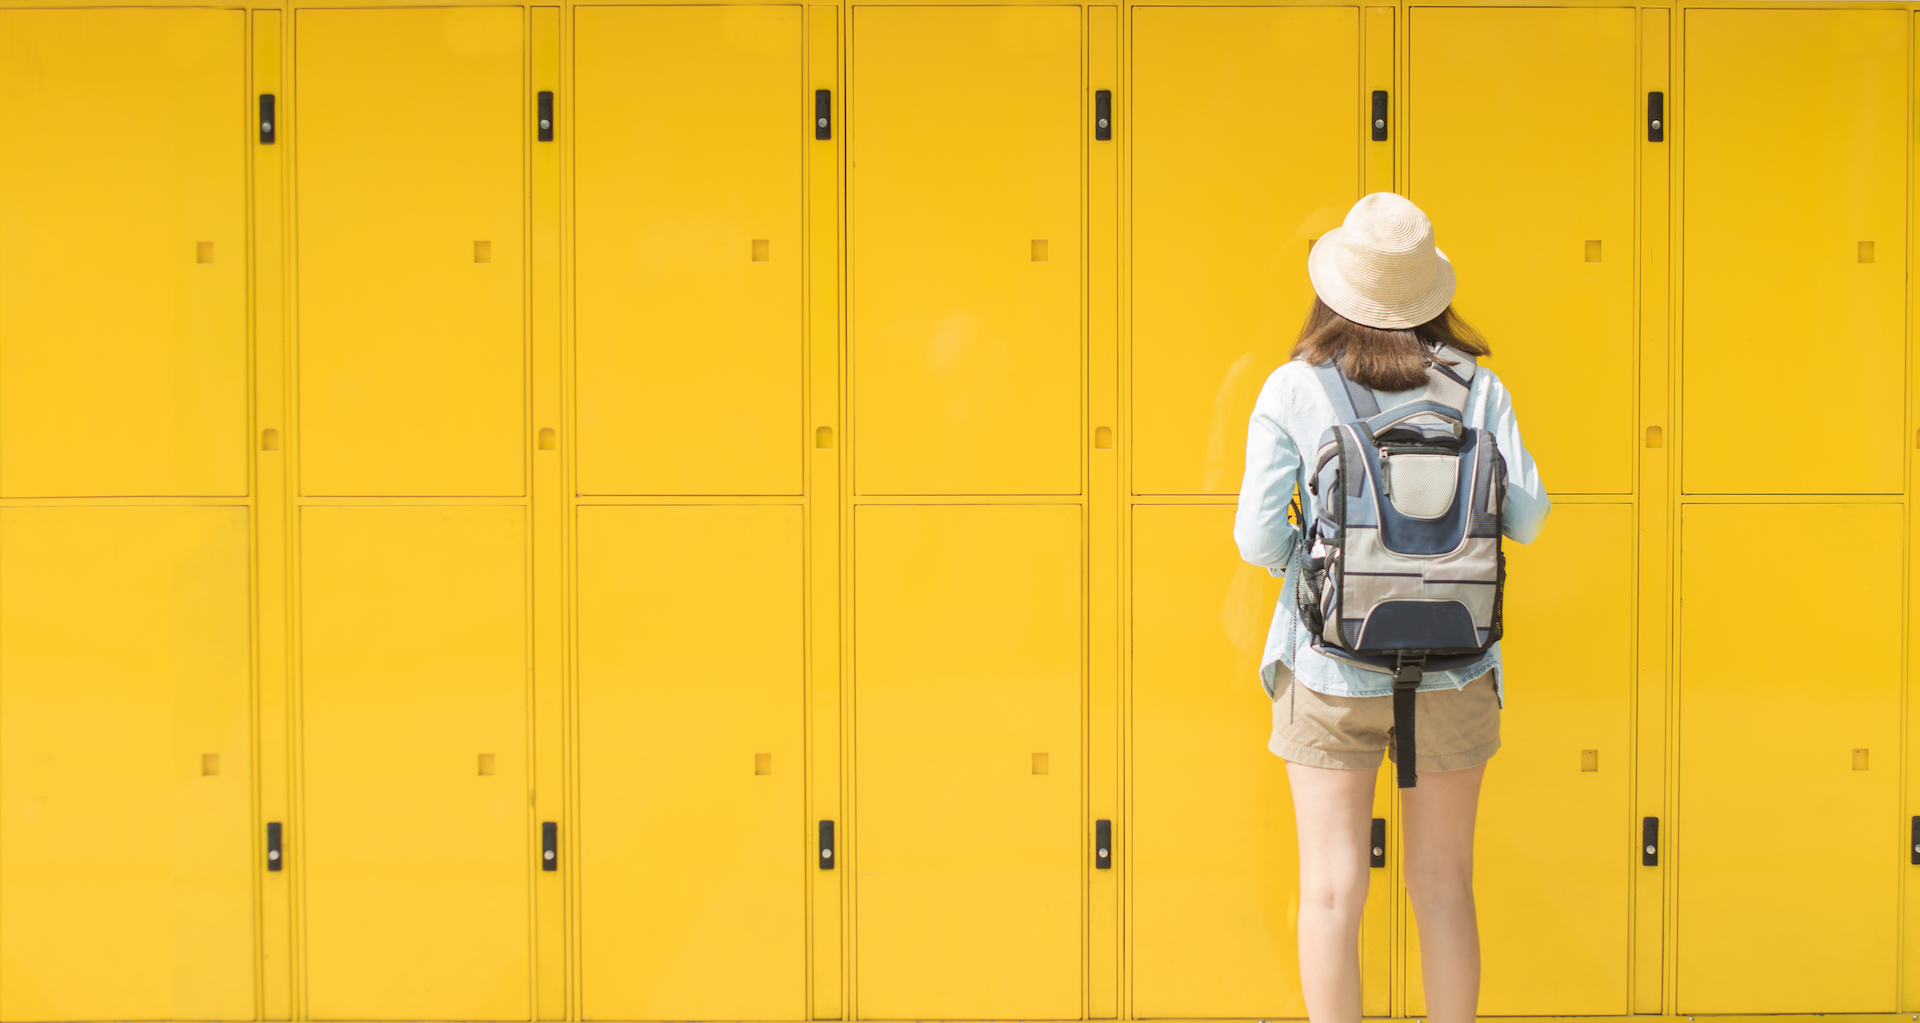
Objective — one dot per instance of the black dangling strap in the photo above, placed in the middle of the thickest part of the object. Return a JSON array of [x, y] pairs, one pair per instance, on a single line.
[[1406, 679]]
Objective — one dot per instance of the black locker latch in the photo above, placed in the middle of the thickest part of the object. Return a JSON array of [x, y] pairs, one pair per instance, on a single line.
[[826, 845], [1649, 841], [266, 118], [822, 114], [1379, 120], [274, 860], [549, 845], [1103, 845], [1656, 117], [545, 126], [1914, 841], [1377, 851], [1103, 115]]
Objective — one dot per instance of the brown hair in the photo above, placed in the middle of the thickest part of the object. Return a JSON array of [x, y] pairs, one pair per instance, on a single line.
[[1385, 360]]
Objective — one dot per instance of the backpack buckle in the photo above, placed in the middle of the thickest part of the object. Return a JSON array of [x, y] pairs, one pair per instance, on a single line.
[[1407, 671]]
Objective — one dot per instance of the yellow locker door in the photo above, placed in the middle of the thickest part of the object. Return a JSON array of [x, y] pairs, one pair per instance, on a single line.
[[968, 844], [1213, 865], [1522, 133], [1554, 850], [1794, 131], [688, 275], [126, 794], [1245, 126], [693, 836], [1789, 845], [413, 712], [408, 129], [965, 205], [123, 334]]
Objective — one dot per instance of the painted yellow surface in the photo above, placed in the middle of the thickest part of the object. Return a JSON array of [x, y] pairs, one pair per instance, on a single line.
[[1219, 268], [1815, 139], [965, 248], [123, 338], [1790, 859], [378, 594], [689, 323], [1555, 842], [413, 681], [1522, 137], [126, 889], [967, 678], [694, 849], [1215, 893], [408, 129]]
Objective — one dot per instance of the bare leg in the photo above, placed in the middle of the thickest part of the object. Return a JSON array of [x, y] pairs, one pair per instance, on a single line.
[[1439, 850], [1333, 810]]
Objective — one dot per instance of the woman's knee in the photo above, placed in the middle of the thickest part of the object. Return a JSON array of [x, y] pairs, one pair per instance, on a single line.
[[1340, 889]]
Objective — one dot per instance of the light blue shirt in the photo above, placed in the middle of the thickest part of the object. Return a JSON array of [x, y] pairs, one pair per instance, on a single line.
[[1291, 416]]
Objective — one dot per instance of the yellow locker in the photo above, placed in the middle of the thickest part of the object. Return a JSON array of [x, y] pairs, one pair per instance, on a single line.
[[1795, 134], [1556, 838], [408, 130], [416, 844], [126, 828], [1789, 845], [123, 334], [1522, 133], [688, 274], [965, 207], [1245, 136], [1210, 842], [693, 837], [968, 845]]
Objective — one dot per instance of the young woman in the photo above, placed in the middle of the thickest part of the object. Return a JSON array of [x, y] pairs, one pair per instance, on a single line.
[[1383, 315]]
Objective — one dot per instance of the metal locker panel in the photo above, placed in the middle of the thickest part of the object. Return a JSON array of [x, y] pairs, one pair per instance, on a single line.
[[1523, 130], [1794, 132], [123, 336], [965, 193], [1554, 849], [689, 308], [126, 793], [1215, 873], [694, 846], [410, 184], [413, 679], [1246, 126], [1789, 857], [967, 843]]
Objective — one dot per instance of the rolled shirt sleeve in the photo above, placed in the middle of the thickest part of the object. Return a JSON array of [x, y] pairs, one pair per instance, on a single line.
[[1260, 523]]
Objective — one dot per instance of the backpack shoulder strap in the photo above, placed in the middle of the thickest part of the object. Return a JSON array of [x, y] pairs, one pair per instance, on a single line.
[[1448, 385], [1351, 402]]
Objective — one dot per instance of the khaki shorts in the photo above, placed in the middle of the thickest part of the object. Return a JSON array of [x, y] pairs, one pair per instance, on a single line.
[[1453, 729]]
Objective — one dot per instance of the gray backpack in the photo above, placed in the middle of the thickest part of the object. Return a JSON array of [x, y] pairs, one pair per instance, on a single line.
[[1402, 569]]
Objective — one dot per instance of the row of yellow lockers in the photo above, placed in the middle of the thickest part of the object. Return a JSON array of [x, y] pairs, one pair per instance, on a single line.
[[133, 865], [687, 243]]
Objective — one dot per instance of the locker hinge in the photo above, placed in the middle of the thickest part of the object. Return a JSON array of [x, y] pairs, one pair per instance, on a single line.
[[1656, 117], [822, 114], [1103, 845], [545, 110], [549, 845], [826, 845], [1377, 851], [1649, 841], [275, 860], [266, 118], [1103, 115], [1378, 122]]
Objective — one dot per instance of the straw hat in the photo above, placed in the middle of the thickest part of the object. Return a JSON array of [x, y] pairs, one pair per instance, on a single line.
[[1380, 267]]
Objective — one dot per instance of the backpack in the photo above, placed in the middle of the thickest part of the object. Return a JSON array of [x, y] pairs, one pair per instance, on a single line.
[[1401, 568]]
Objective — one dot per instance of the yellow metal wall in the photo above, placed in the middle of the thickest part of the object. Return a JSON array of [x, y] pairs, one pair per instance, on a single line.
[[410, 483]]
